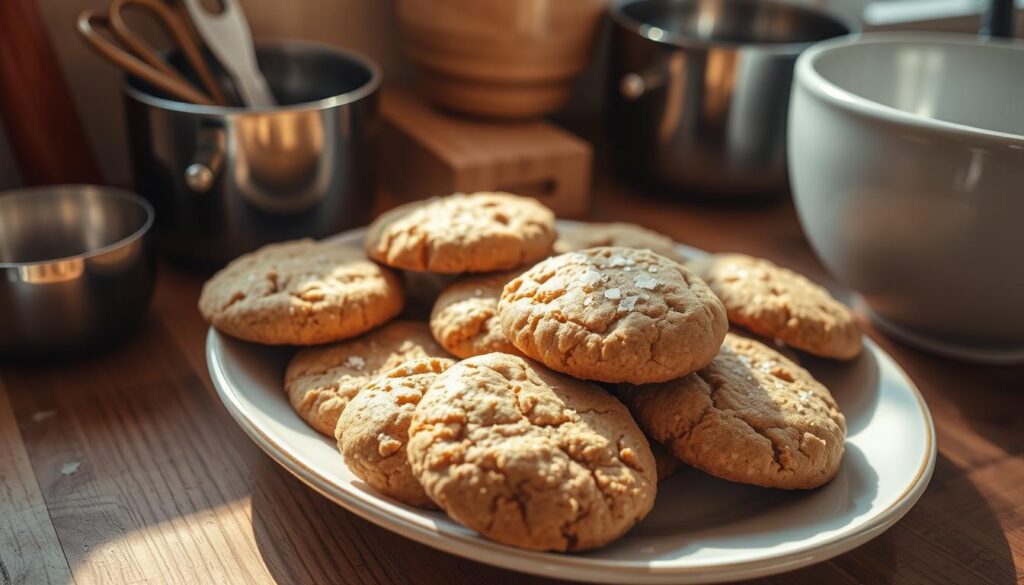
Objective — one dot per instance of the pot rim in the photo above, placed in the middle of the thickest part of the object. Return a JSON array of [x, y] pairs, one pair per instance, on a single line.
[[103, 191], [683, 41], [357, 94], [808, 77]]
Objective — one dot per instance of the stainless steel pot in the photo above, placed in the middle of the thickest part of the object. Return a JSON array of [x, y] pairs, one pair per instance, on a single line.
[[76, 266], [699, 91], [227, 180]]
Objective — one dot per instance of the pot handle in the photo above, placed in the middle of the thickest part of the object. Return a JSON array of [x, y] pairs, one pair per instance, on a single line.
[[206, 164], [634, 86]]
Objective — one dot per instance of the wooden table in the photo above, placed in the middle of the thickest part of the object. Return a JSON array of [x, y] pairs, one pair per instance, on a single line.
[[123, 467]]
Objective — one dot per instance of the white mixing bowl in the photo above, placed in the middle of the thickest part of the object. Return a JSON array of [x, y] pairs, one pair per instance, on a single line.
[[906, 157]]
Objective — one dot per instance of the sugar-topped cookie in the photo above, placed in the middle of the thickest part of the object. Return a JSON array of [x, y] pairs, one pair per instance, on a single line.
[[750, 416], [780, 304], [479, 232], [613, 315], [301, 293], [465, 316], [374, 428], [320, 381], [529, 457], [621, 234]]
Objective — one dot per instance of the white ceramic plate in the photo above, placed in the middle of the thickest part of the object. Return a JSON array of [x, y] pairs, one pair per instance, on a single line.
[[701, 530]]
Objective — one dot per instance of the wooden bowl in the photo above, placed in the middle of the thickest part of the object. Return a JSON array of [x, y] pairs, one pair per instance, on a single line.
[[509, 59]]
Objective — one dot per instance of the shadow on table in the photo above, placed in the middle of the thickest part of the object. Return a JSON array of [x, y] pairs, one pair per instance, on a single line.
[[305, 538], [951, 536]]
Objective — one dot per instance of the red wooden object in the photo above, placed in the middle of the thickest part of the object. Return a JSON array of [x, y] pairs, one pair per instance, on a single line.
[[45, 133]]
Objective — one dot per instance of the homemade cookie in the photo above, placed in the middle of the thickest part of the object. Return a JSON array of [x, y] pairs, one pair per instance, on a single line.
[[301, 293], [465, 317], [751, 416], [374, 429], [530, 458], [480, 232], [623, 235], [781, 304], [320, 381], [613, 315]]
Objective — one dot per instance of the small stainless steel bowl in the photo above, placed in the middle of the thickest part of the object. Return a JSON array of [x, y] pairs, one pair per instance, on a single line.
[[77, 267]]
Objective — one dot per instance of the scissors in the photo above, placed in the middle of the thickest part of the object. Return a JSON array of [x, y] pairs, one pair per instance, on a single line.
[[139, 59]]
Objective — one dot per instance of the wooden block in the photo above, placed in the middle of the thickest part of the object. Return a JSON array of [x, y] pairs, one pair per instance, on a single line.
[[426, 152]]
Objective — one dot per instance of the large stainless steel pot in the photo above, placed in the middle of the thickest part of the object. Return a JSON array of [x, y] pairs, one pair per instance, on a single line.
[[699, 91], [226, 180]]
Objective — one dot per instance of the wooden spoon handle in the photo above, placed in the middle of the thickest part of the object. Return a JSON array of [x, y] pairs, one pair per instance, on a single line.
[[174, 84], [179, 31]]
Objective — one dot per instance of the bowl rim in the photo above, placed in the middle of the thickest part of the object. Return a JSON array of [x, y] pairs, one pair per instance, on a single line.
[[355, 95], [683, 41], [102, 190], [808, 77]]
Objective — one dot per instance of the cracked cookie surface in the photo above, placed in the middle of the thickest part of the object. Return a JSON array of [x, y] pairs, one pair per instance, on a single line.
[[750, 416], [621, 234], [464, 319], [479, 232], [300, 293], [778, 303], [613, 315], [373, 430], [320, 381], [529, 457]]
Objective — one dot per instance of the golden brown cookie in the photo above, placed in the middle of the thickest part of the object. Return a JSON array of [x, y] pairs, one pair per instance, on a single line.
[[300, 293], [320, 381], [621, 234], [781, 304], [374, 429], [751, 416], [613, 315], [529, 457], [465, 317], [479, 232]]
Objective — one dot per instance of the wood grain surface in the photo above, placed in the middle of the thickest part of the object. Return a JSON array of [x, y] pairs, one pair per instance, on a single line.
[[123, 467]]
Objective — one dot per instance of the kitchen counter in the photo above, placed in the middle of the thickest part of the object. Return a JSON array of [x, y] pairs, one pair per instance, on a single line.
[[123, 467]]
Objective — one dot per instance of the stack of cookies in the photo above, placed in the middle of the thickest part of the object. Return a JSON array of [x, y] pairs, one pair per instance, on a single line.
[[557, 380]]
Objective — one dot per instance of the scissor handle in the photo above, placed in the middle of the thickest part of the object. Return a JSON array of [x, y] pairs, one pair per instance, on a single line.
[[173, 24], [88, 21]]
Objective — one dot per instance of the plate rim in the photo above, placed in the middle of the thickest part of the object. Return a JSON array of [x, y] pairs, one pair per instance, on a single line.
[[560, 565]]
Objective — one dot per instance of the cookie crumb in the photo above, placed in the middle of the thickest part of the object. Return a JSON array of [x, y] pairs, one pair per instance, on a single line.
[[70, 468], [629, 457], [356, 362], [43, 415], [478, 292], [387, 445]]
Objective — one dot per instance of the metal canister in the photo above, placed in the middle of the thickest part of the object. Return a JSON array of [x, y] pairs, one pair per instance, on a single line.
[[699, 91], [226, 180]]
